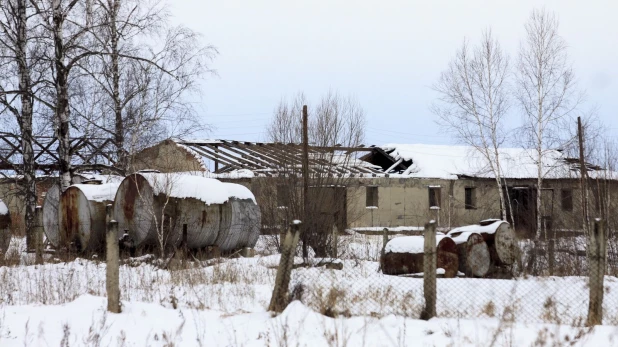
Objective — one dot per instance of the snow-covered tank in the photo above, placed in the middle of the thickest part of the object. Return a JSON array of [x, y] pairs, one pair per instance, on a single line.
[[80, 211], [82, 218], [152, 207]]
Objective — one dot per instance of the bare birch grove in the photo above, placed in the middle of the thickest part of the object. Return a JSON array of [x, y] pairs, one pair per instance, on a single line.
[[546, 92], [474, 103]]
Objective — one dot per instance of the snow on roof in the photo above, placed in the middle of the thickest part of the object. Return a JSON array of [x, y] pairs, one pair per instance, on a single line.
[[4, 210], [99, 192], [409, 244], [476, 228], [442, 161], [183, 185]]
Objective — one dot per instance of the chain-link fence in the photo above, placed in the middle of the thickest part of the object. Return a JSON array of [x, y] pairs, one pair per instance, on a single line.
[[481, 273]]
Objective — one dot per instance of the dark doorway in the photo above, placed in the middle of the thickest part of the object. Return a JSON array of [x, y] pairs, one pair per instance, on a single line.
[[523, 203]]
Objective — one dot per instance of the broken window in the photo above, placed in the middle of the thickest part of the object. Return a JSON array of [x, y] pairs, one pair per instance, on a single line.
[[372, 196], [434, 197], [567, 199], [470, 198]]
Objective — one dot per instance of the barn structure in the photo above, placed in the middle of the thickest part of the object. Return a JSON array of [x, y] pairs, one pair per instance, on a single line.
[[395, 185]]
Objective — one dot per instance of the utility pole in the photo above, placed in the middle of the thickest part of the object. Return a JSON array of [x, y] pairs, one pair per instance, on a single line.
[[583, 175], [305, 168]]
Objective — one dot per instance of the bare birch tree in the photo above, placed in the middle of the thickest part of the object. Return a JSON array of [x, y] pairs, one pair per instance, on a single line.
[[16, 36], [546, 92], [474, 103], [66, 24], [144, 69]]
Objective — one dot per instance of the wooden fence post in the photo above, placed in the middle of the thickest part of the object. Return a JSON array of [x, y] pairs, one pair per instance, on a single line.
[[429, 271], [279, 299], [185, 248], [597, 257], [38, 235], [112, 272], [384, 240], [334, 240]]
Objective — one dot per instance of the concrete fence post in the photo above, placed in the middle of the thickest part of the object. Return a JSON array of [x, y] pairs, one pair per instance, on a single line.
[[38, 235], [597, 258], [279, 299], [429, 271], [112, 256]]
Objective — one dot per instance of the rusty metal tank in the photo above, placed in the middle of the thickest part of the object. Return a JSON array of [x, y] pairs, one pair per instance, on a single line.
[[152, 207], [50, 215], [85, 197], [5, 228], [82, 215], [240, 221]]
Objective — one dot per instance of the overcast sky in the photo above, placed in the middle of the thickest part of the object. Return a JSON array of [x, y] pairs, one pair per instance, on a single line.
[[385, 53]]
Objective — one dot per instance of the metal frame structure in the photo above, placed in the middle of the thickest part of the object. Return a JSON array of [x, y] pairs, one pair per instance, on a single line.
[[92, 154], [271, 159]]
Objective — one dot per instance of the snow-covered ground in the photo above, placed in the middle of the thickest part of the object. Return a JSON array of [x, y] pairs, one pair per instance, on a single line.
[[224, 304], [84, 322]]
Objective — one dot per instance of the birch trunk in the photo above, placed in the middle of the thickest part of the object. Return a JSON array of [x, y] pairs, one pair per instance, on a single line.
[[62, 110], [114, 56], [25, 121]]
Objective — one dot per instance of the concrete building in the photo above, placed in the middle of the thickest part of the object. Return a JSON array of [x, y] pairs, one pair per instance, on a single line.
[[394, 185]]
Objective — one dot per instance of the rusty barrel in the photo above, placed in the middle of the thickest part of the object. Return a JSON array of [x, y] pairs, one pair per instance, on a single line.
[[82, 215], [5, 228], [500, 238], [152, 208], [405, 255], [474, 257]]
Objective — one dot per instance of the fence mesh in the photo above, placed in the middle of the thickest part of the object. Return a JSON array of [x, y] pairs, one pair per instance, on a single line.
[[550, 282]]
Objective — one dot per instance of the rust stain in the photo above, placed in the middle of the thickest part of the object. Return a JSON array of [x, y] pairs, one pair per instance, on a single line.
[[131, 192], [69, 215], [204, 218]]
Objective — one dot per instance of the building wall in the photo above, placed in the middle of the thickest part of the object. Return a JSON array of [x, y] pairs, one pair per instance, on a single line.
[[166, 156], [401, 201], [405, 202]]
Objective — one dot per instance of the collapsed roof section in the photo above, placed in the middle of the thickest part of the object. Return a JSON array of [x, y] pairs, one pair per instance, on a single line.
[[269, 159], [452, 162]]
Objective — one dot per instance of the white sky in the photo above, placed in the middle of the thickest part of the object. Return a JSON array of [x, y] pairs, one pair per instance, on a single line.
[[386, 53]]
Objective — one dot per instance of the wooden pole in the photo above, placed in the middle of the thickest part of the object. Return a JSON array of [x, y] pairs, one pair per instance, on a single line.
[[279, 300], [384, 240], [334, 240], [597, 257], [305, 168], [38, 235], [583, 174], [113, 271], [429, 272], [185, 250]]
